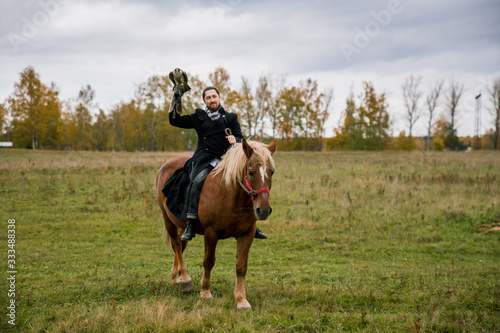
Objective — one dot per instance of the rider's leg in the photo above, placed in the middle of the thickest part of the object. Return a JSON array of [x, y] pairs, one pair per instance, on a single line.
[[193, 200]]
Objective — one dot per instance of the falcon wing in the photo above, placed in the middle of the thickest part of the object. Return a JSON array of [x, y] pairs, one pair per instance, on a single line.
[[171, 77], [184, 75]]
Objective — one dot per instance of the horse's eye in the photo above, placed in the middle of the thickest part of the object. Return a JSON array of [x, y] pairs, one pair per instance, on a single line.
[[272, 173], [251, 173]]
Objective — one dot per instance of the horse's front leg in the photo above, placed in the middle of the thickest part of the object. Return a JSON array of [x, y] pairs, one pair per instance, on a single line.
[[243, 246], [208, 263]]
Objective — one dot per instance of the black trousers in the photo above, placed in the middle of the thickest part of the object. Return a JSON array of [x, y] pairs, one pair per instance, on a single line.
[[194, 191]]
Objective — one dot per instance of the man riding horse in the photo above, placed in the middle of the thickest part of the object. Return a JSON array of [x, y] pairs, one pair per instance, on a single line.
[[217, 130]]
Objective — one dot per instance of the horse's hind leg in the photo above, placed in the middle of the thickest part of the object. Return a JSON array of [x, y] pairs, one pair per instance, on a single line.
[[180, 274]]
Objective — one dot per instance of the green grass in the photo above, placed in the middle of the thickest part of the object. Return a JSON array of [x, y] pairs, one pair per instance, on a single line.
[[375, 242]]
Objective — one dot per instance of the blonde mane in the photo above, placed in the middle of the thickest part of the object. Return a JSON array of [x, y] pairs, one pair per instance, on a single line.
[[234, 160]]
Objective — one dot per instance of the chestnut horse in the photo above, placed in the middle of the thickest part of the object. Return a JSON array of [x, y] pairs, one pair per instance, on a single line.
[[229, 207]]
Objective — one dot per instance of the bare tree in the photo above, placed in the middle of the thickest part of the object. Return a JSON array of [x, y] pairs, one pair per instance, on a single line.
[[248, 111], [495, 110], [153, 97], [277, 86], [327, 100], [412, 94], [263, 99], [322, 116], [453, 99], [432, 100]]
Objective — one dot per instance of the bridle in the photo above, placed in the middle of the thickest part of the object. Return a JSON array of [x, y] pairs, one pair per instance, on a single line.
[[246, 184], [248, 188]]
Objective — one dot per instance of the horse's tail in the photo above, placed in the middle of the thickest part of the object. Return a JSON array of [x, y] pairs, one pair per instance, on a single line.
[[162, 176], [160, 179]]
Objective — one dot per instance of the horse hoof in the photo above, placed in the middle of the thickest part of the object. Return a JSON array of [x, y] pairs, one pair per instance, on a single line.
[[244, 306], [206, 294], [186, 287]]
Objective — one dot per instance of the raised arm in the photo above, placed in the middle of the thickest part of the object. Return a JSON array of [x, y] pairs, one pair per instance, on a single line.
[[175, 118], [181, 121]]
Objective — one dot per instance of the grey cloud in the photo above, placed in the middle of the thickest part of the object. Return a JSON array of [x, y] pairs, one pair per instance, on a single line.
[[293, 37]]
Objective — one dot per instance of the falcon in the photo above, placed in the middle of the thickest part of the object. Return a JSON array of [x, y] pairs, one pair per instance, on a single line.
[[180, 80]]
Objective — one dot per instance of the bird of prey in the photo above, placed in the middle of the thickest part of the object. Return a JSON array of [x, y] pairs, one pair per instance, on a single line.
[[180, 80]]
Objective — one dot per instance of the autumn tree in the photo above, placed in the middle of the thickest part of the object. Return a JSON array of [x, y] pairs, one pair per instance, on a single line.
[[291, 116], [220, 79], [36, 112], [312, 101], [101, 131], [432, 100], [81, 119], [132, 126], [402, 142], [116, 137], [363, 126], [488, 139], [494, 93], [52, 110], [233, 102], [373, 118], [440, 133], [347, 133], [315, 113], [3, 118], [126, 122]]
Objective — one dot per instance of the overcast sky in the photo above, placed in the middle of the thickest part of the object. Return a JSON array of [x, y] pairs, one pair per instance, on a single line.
[[115, 45]]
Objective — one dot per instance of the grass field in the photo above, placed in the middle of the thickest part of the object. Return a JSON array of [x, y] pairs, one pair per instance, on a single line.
[[364, 242]]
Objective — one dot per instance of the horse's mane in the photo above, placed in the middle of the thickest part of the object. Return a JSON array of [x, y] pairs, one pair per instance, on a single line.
[[234, 160]]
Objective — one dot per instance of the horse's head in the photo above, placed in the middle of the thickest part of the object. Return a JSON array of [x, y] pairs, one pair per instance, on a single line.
[[259, 171]]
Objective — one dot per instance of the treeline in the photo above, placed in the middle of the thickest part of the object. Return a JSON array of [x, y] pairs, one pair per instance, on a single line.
[[366, 125], [40, 120], [34, 116]]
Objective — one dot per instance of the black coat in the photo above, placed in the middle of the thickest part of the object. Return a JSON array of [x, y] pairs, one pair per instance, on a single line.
[[212, 144], [211, 136]]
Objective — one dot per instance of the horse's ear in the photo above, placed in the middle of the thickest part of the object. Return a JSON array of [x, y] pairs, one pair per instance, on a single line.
[[247, 149], [272, 146]]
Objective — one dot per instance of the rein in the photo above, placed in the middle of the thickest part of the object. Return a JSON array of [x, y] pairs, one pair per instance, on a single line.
[[248, 188]]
